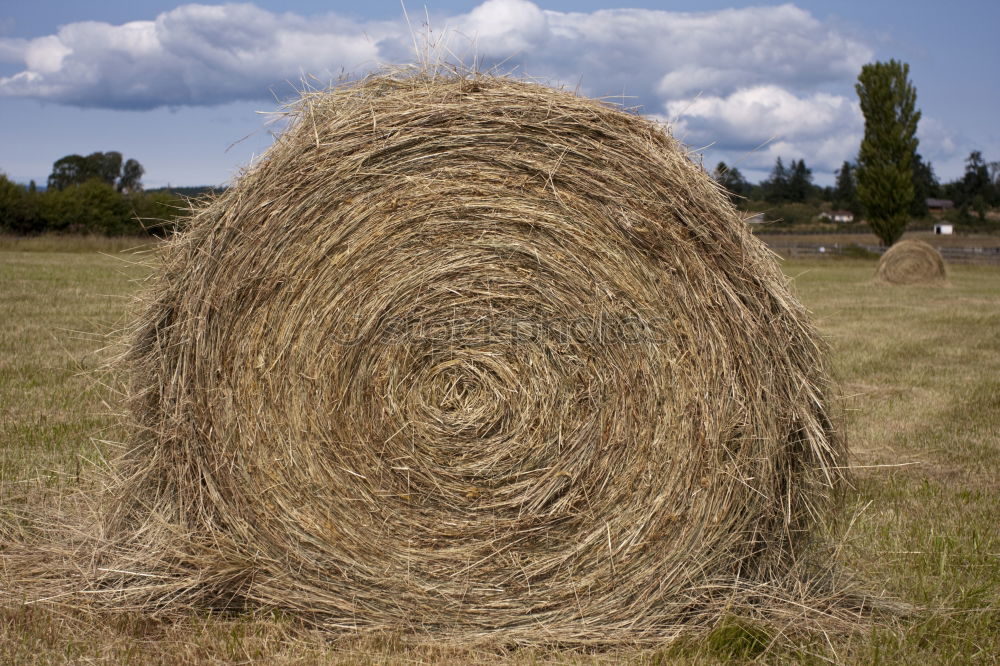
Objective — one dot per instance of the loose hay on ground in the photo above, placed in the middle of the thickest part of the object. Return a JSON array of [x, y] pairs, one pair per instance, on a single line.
[[471, 357]]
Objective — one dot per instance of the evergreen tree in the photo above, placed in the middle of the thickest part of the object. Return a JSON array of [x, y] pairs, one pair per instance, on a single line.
[[976, 180], [885, 161], [994, 168], [776, 186], [845, 193], [799, 182], [925, 185], [736, 186]]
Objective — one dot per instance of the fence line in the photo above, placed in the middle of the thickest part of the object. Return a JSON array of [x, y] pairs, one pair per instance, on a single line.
[[969, 255]]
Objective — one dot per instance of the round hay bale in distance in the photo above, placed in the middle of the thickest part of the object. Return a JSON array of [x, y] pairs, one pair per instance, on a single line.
[[913, 262], [477, 357]]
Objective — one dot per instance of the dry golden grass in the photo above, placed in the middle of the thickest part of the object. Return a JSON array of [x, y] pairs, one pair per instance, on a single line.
[[63, 243]]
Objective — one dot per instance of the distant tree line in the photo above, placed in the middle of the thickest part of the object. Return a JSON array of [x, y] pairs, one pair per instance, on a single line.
[[978, 187], [100, 193], [890, 183], [125, 177], [974, 193]]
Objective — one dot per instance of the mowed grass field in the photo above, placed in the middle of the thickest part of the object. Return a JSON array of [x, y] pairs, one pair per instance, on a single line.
[[919, 374]]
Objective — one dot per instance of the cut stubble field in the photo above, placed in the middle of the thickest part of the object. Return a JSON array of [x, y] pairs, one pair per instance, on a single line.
[[918, 371]]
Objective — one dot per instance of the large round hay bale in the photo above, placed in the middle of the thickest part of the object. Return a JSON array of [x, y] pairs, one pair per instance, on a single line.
[[477, 357], [911, 262]]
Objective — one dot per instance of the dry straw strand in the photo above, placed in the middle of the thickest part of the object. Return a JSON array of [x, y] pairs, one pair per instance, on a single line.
[[475, 358], [911, 262]]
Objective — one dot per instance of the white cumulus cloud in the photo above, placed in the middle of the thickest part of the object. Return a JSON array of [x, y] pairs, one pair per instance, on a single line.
[[502, 28], [768, 121], [761, 112], [734, 77], [191, 55]]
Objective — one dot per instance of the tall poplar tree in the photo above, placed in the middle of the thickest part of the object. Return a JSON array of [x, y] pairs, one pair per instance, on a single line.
[[885, 161]]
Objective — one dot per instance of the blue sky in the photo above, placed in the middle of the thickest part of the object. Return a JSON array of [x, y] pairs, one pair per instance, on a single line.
[[187, 88]]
